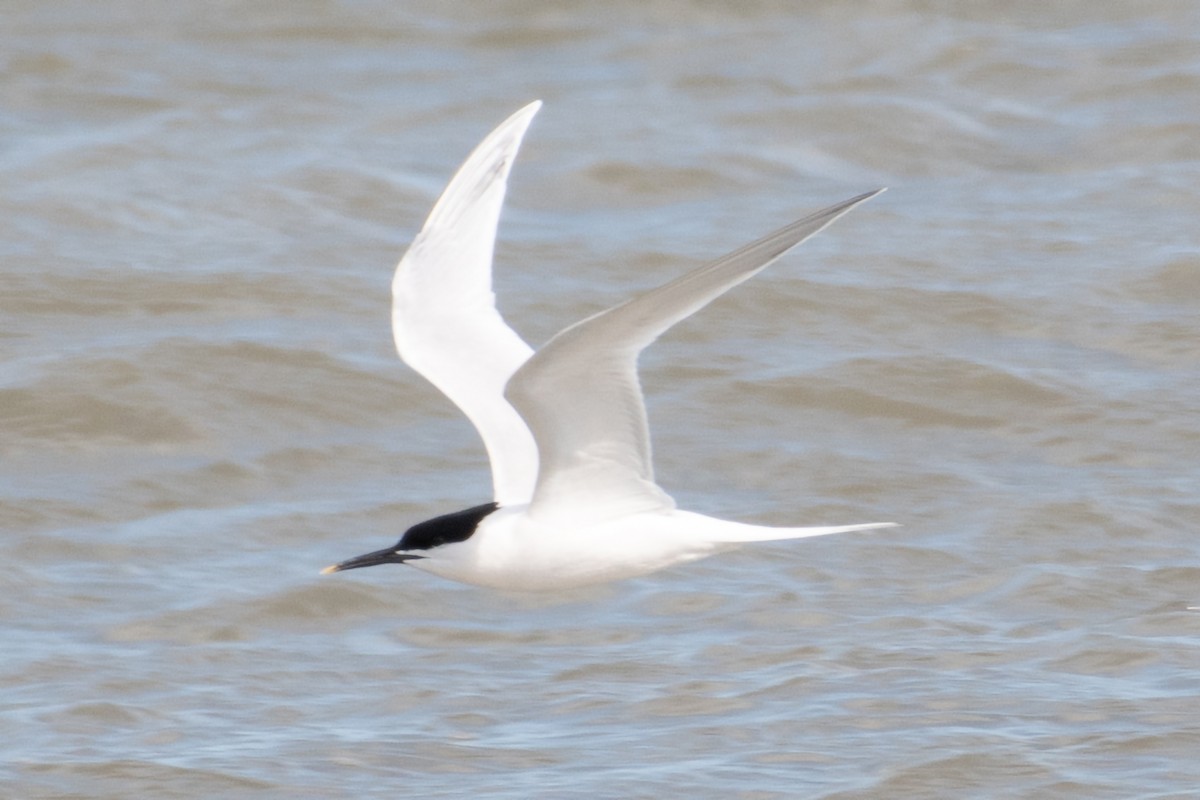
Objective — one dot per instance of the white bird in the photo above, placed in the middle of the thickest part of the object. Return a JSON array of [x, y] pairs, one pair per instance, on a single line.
[[565, 428]]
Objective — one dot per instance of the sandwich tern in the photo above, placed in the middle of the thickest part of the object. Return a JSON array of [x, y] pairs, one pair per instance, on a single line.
[[575, 502]]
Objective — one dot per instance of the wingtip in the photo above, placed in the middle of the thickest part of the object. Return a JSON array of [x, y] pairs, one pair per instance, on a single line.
[[527, 110], [876, 526]]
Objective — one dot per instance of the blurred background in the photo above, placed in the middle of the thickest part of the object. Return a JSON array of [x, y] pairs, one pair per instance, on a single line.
[[200, 208]]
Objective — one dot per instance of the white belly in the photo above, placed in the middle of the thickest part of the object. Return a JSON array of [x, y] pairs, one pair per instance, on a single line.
[[511, 551]]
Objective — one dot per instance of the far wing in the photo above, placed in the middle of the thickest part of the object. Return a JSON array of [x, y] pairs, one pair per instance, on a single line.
[[444, 316], [580, 395]]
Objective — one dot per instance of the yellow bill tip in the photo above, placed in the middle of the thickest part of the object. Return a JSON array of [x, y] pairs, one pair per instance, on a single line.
[[330, 569]]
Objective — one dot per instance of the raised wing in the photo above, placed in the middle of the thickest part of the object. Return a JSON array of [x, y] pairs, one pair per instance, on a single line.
[[580, 395], [444, 316]]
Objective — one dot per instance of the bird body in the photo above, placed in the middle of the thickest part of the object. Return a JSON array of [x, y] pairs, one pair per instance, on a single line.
[[575, 502], [511, 549]]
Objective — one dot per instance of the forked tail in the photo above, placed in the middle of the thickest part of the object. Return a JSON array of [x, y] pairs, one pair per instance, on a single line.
[[734, 532]]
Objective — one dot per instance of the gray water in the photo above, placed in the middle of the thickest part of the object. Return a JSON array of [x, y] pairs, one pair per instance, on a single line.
[[200, 208]]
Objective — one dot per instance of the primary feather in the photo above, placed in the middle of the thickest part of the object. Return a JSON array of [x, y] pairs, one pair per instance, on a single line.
[[581, 397], [444, 316]]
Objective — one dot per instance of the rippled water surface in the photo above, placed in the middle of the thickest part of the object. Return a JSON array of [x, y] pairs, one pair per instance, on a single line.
[[200, 207]]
